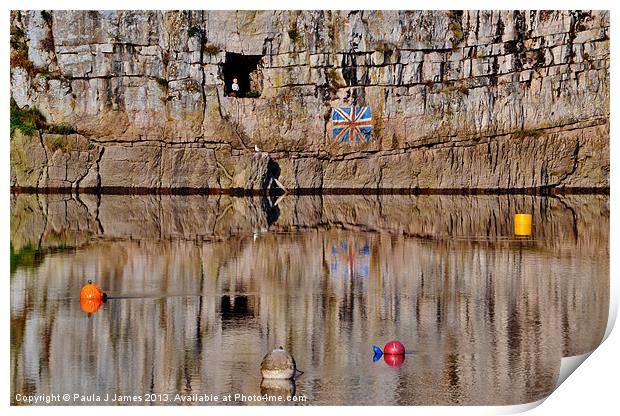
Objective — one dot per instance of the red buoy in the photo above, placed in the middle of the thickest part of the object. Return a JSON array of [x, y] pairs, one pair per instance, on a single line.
[[394, 360], [394, 348], [91, 291]]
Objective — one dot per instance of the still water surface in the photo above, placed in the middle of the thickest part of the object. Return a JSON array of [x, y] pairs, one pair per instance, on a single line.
[[203, 287]]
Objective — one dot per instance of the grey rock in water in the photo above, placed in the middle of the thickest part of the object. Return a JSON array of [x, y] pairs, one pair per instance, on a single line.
[[278, 364]]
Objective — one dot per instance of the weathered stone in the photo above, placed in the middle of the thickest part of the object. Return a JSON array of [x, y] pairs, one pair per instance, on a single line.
[[20, 87], [28, 161], [189, 168], [131, 166], [70, 159], [40, 50], [441, 88], [91, 180], [308, 173], [258, 174]]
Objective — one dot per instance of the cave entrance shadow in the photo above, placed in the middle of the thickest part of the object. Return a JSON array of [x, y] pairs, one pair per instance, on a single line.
[[241, 67]]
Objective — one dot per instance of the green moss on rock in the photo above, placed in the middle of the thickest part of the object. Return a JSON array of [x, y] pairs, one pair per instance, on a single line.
[[28, 120]]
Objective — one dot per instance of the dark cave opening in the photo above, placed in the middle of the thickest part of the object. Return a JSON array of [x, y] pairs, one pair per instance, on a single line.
[[247, 70]]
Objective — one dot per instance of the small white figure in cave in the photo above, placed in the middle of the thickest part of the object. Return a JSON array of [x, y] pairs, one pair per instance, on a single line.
[[235, 88]]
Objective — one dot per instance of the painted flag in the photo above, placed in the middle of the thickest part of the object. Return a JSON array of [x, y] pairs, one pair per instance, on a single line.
[[352, 123]]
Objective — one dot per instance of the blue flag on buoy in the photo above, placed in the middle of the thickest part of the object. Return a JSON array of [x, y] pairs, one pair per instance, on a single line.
[[378, 353]]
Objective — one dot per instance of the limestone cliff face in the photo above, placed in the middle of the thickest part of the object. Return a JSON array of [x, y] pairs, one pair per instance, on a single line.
[[483, 99]]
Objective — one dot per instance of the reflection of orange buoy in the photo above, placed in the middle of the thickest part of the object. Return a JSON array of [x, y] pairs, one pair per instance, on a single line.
[[89, 305], [523, 225], [394, 360]]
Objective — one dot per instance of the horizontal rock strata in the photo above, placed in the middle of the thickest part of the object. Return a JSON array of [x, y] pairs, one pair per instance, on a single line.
[[474, 99]]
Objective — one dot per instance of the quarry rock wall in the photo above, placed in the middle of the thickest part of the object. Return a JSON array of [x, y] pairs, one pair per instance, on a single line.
[[458, 100]]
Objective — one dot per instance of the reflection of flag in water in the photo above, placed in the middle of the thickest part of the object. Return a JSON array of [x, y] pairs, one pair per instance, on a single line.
[[350, 258], [352, 123]]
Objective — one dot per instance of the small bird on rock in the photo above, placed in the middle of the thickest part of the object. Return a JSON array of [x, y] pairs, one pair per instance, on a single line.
[[257, 149]]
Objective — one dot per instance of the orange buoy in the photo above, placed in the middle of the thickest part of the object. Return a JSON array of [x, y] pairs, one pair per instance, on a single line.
[[89, 305], [91, 291], [523, 225]]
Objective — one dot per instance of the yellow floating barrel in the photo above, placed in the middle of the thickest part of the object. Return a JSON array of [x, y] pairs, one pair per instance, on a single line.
[[523, 225]]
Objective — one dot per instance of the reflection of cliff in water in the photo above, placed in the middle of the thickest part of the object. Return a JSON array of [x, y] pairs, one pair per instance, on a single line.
[[487, 317], [560, 222]]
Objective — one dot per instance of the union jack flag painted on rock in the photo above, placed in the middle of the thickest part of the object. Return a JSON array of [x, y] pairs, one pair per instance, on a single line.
[[352, 124]]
